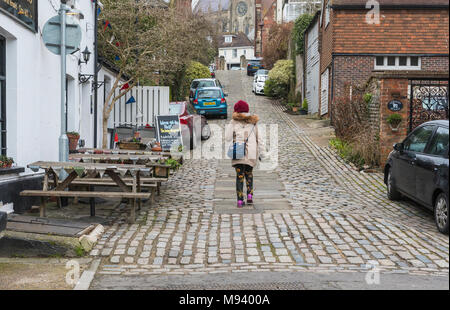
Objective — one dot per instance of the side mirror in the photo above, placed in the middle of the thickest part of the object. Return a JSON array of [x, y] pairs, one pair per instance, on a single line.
[[399, 147]]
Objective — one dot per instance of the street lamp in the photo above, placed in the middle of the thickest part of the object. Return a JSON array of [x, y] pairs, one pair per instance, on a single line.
[[86, 56]]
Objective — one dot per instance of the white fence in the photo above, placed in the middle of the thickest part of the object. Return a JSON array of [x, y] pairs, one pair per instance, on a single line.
[[150, 101]]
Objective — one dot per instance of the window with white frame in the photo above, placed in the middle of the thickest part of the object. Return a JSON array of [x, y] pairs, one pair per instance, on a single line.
[[397, 63], [228, 39], [234, 53]]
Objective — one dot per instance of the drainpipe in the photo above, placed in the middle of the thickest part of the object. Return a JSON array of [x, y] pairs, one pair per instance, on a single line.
[[95, 73], [332, 89], [63, 140]]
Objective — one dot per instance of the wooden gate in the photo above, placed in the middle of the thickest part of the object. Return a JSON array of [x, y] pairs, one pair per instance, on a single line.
[[148, 102], [428, 101]]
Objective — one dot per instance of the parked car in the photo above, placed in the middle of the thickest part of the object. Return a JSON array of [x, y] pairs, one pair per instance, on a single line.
[[253, 66], [261, 72], [211, 101], [418, 168], [198, 83], [258, 84], [188, 117]]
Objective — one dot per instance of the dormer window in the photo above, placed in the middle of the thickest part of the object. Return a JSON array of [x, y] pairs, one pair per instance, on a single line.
[[228, 39]]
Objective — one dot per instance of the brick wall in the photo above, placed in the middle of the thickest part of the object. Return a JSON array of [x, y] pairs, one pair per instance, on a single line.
[[356, 70], [390, 88], [351, 70], [435, 63]]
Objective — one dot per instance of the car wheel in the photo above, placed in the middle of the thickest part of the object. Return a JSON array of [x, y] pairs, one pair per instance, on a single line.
[[441, 213], [392, 192], [206, 132]]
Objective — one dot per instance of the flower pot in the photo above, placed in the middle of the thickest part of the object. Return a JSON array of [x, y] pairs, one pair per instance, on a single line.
[[394, 127], [294, 109], [73, 141]]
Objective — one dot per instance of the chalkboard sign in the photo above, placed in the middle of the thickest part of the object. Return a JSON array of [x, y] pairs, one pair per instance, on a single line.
[[395, 105], [23, 10], [169, 131]]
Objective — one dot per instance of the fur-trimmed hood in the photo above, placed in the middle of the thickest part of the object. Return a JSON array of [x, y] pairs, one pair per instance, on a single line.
[[245, 117]]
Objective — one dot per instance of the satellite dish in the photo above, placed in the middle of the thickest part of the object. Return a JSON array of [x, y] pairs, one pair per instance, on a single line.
[[51, 35]]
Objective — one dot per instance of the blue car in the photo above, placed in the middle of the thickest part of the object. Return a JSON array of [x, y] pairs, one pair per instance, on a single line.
[[210, 101]]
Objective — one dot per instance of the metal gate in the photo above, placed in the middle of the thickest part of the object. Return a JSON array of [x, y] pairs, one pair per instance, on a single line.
[[428, 101]]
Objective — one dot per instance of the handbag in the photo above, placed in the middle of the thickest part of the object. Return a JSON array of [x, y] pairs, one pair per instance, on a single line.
[[238, 150]]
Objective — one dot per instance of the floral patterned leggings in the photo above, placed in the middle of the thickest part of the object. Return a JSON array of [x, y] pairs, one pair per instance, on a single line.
[[243, 172]]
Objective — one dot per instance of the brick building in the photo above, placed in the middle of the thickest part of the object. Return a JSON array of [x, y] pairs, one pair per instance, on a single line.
[[406, 35]]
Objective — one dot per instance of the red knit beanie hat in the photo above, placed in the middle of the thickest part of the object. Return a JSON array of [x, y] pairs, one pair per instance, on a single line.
[[241, 107]]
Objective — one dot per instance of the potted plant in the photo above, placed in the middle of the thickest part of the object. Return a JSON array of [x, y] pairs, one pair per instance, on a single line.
[[304, 109], [394, 121], [293, 107], [73, 140], [6, 162]]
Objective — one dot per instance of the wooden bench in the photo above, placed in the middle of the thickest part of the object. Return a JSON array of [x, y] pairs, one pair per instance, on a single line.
[[51, 193], [145, 182], [154, 187]]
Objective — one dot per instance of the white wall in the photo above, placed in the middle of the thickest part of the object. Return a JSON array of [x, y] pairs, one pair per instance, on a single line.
[[228, 54], [33, 86]]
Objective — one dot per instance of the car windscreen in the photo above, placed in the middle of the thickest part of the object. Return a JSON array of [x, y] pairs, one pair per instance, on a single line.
[[206, 84], [261, 78], [208, 93], [175, 109], [194, 84]]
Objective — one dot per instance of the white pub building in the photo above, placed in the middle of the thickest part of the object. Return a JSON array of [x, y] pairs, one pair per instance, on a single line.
[[30, 97]]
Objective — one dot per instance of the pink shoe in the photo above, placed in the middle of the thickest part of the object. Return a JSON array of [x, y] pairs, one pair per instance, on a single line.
[[249, 198], [240, 203]]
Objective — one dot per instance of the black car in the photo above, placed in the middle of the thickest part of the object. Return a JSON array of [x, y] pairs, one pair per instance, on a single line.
[[253, 66], [418, 169]]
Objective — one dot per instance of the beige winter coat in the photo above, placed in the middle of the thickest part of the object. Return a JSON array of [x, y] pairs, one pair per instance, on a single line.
[[242, 124]]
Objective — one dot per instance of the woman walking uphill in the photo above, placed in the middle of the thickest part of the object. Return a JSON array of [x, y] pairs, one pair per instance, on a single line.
[[243, 133]]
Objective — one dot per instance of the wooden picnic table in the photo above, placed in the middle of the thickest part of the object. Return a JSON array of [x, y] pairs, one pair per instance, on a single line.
[[87, 174], [115, 158], [123, 152], [160, 172]]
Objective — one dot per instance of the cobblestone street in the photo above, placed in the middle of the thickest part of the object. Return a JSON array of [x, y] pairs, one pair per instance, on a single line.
[[312, 213]]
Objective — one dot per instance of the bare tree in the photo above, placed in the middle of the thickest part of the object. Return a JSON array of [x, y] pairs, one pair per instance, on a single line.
[[142, 39]]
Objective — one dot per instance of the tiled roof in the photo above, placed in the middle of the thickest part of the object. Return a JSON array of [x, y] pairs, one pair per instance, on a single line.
[[391, 3], [239, 39]]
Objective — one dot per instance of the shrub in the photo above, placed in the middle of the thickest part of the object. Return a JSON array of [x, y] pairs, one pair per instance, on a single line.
[[351, 120], [305, 104], [195, 70], [300, 25], [277, 85]]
